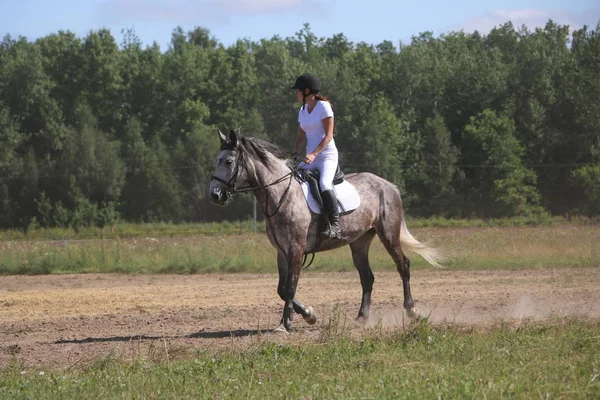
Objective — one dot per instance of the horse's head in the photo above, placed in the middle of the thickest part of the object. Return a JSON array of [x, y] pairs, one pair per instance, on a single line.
[[227, 169]]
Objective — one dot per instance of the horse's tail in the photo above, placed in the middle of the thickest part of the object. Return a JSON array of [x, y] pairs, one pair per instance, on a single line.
[[432, 255]]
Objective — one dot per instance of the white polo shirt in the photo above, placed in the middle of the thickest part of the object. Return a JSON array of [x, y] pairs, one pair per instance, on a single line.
[[312, 124]]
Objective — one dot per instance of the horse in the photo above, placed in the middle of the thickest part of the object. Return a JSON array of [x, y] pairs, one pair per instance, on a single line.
[[246, 164]]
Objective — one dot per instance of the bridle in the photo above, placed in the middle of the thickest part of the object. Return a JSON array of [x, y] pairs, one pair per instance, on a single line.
[[231, 189], [230, 184]]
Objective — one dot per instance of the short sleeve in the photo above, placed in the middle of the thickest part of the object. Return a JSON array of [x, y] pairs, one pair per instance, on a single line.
[[326, 110]]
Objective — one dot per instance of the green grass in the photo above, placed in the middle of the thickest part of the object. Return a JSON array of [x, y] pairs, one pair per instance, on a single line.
[[132, 230], [470, 248], [158, 229], [557, 359]]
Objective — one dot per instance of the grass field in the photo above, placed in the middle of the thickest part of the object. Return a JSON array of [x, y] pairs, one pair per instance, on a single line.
[[140, 230], [555, 359], [468, 248]]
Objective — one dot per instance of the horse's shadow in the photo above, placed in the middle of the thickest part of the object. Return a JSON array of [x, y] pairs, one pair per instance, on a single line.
[[197, 335]]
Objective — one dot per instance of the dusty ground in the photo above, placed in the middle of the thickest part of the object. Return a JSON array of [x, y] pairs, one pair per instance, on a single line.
[[74, 320]]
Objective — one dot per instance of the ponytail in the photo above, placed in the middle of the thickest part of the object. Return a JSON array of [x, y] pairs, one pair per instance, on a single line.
[[318, 97]]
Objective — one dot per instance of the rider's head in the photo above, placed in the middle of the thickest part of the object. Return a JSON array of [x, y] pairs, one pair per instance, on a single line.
[[308, 85]]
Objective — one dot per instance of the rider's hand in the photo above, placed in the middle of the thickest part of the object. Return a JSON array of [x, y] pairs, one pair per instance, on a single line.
[[310, 157]]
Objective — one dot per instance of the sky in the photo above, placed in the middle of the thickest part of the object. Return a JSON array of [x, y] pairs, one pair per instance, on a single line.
[[371, 21]]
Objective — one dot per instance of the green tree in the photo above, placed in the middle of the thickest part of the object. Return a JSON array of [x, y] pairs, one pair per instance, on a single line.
[[103, 82], [62, 62], [276, 103], [10, 166], [90, 167], [587, 182], [540, 110], [468, 124], [151, 191], [497, 182], [431, 179]]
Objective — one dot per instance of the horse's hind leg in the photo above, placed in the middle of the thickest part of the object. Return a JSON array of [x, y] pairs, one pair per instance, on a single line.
[[360, 257], [390, 237]]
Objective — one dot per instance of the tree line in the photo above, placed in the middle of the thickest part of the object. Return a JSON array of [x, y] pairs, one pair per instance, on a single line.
[[466, 125]]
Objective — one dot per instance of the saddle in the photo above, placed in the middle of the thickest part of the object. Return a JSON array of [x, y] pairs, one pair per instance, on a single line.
[[313, 181]]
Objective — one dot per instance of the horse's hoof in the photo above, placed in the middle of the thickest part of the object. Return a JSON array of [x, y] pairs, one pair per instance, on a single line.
[[281, 329], [413, 313], [362, 320], [311, 318]]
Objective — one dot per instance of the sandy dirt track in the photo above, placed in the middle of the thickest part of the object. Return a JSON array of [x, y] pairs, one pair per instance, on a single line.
[[74, 320]]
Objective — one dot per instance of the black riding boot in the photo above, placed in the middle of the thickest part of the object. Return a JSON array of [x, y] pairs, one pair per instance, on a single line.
[[330, 206]]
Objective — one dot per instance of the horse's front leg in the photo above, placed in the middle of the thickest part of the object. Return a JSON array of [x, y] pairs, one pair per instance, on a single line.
[[289, 272], [309, 315]]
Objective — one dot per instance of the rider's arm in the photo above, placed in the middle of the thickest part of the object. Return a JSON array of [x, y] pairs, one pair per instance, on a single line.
[[328, 127]]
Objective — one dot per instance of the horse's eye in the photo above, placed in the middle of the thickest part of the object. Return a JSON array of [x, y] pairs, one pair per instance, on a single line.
[[229, 162]]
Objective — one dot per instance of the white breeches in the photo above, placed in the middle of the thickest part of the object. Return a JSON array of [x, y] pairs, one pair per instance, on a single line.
[[327, 165]]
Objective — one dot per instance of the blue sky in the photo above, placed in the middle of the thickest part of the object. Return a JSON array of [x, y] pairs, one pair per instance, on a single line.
[[371, 21]]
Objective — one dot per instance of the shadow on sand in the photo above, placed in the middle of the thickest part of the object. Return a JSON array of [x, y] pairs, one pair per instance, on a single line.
[[197, 335]]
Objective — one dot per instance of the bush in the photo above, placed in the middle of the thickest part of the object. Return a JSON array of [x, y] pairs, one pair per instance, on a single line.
[[587, 181]]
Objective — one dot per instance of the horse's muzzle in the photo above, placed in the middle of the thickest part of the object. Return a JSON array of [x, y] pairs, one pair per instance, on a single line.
[[217, 196]]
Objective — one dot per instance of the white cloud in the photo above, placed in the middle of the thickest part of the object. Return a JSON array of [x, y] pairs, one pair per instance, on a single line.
[[198, 11], [531, 18], [253, 6]]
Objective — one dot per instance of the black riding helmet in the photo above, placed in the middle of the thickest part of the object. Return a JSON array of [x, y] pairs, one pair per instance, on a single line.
[[308, 81]]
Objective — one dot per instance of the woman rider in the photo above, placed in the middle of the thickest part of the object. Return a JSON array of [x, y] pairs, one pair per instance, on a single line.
[[315, 126]]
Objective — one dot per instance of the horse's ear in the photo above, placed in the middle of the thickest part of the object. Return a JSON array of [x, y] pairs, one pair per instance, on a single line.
[[233, 137], [222, 137]]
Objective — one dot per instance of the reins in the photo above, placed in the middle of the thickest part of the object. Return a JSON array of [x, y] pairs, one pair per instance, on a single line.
[[267, 186]]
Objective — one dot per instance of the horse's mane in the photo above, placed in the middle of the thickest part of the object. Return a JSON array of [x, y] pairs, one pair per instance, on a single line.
[[267, 153]]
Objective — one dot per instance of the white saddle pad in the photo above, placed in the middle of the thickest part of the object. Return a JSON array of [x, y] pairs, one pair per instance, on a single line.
[[347, 196]]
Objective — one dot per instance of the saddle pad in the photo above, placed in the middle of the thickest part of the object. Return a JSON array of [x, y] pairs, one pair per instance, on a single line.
[[348, 198]]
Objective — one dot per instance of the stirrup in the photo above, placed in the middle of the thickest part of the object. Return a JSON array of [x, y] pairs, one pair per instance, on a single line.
[[335, 234], [331, 233], [326, 232]]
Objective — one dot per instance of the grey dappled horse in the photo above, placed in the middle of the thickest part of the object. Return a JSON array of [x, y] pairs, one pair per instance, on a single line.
[[250, 164]]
